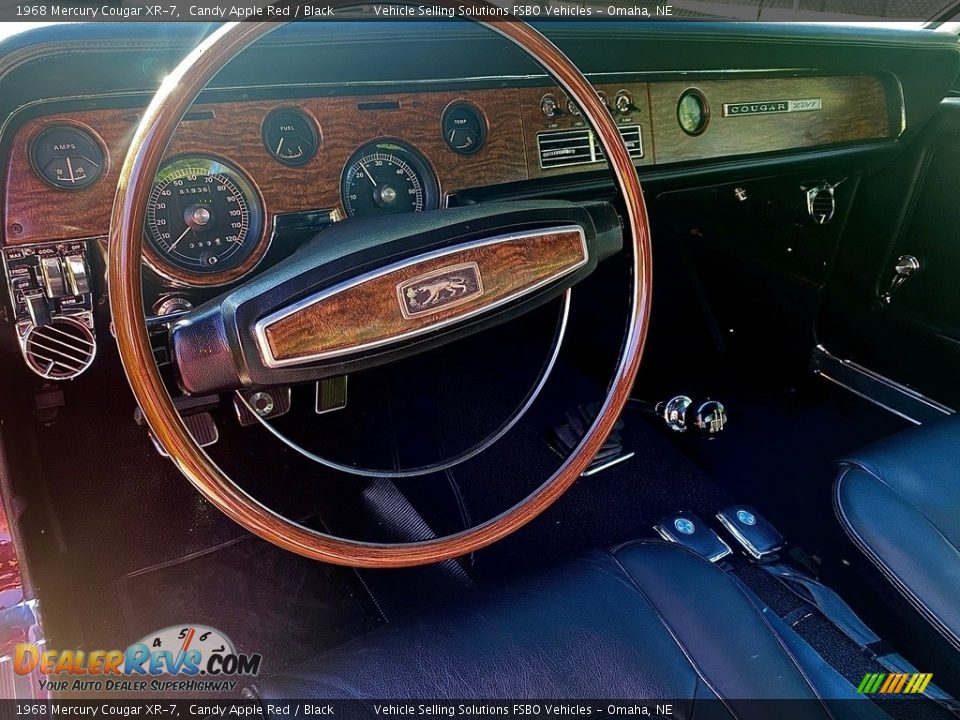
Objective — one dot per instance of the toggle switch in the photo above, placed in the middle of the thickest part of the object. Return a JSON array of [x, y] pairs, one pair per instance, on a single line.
[[52, 272], [77, 281]]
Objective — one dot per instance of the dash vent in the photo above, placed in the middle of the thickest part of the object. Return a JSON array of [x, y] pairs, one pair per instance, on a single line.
[[60, 350], [562, 148]]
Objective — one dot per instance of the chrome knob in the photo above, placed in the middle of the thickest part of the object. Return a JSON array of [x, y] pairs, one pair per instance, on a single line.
[[172, 304], [674, 412], [549, 105], [711, 417], [623, 102]]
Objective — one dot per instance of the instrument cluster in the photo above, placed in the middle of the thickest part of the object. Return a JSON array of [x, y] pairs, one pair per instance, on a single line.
[[209, 224]]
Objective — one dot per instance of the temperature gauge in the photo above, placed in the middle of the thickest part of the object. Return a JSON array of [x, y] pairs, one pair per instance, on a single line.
[[67, 157], [290, 136]]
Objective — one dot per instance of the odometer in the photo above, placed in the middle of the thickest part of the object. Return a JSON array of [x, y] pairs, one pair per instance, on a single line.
[[387, 177], [204, 217]]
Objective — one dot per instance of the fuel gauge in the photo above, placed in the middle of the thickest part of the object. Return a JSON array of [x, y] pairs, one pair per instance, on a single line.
[[67, 157], [290, 136]]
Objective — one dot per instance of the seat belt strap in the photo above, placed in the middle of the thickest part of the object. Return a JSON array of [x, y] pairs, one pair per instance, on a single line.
[[836, 610]]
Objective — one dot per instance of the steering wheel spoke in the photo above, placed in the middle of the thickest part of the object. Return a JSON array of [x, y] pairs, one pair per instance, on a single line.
[[370, 291]]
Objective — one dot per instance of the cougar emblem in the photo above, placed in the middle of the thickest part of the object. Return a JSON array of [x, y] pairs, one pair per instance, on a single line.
[[441, 289]]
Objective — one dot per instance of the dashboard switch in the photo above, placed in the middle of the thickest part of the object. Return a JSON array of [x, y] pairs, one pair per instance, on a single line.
[[76, 272], [53, 281], [38, 309]]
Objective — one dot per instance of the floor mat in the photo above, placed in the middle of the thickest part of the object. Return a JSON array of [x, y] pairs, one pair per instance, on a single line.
[[616, 505], [266, 589], [779, 450]]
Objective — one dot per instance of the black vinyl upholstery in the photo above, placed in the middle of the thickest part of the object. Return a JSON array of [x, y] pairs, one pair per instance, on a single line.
[[648, 620], [899, 501]]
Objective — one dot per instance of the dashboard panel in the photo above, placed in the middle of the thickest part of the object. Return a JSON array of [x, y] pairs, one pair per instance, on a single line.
[[237, 169]]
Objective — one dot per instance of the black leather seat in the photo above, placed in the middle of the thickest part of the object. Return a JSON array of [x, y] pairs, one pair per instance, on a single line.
[[899, 501], [648, 620]]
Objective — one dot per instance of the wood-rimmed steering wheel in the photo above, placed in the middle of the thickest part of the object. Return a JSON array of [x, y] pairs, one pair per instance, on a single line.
[[388, 290]]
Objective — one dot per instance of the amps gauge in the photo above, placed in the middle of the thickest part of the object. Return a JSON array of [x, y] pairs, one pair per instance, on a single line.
[[67, 157]]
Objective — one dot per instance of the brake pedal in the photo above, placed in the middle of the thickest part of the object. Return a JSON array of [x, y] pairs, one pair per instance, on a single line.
[[687, 529], [331, 395], [202, 427]]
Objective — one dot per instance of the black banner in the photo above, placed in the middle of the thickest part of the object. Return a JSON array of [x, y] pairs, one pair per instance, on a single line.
[[432, 709], [531, 10]]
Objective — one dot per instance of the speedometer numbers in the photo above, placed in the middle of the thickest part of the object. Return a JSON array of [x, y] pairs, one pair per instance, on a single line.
[[204, 221], [388, 177]]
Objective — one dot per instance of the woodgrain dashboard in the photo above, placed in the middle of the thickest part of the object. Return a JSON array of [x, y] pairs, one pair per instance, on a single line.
[[737, 116]]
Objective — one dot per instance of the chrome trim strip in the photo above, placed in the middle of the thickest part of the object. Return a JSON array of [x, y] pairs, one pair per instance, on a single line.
[[609, 464], [719, 555], [260, 328], [903, 401]]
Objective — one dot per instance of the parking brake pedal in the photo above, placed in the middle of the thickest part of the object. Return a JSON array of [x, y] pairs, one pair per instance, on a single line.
[[202, 427], [685, 528], [757, 536]]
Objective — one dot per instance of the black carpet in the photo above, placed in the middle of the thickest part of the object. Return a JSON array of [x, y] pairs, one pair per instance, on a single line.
[[285, 607]]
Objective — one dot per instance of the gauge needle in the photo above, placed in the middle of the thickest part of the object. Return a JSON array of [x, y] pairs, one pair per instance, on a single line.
[[70, 168], [183, 235], [367, 173]]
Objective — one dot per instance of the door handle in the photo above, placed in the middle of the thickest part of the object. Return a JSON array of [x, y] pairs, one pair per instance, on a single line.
[[905, 268]]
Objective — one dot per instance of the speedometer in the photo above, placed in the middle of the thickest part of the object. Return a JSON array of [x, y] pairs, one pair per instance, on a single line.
[[204, 221], [386, 177]]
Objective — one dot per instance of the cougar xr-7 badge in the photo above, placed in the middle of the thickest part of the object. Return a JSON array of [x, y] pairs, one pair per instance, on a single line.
[[439, 290]]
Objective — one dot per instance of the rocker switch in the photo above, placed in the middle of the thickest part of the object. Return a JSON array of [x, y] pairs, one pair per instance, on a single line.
[[53, 281], [77, 280]]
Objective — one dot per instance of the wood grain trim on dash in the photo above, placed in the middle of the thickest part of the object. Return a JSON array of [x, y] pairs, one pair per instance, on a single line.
[[232, 131], [419, 296], [852, 108]]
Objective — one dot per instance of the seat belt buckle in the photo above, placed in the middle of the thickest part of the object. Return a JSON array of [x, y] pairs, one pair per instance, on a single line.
[[759, 538], [685, 528]]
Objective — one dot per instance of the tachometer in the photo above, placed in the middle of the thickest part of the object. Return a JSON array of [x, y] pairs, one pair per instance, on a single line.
[[204, 218], [386, 177]]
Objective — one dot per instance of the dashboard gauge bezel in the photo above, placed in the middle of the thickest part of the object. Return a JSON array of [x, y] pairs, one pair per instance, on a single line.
[[176, 276], [312, 123], [433, 192], [481, 116], [77, 126]]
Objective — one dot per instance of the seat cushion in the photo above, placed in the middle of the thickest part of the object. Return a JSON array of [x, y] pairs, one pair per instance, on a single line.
[[899, 501], [648, 620]]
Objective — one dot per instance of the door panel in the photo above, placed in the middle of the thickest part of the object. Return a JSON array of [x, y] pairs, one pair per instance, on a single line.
[[910, 208]]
